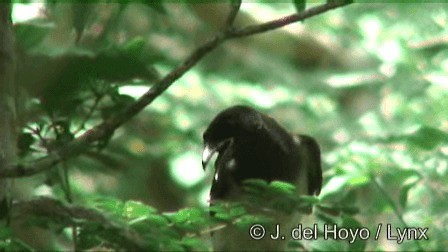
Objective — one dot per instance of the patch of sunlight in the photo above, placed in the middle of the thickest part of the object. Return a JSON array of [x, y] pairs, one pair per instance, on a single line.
[[280, 94], [434, 164], [160, 104], [390, 105], [440, 18], [390, 51], [402, 158], [84, 182], [363, 148], [352, 79], [190, 85], [224, 91], [341, 136], [321, 105], [264, 12], [370, 123], [137, 146], [370, 26], [257, 96], [186, 169], [183, 120], [438, 78], [334, 185], [444, 65], [43, 190], [133, 90], [442, 167], [25, 12]]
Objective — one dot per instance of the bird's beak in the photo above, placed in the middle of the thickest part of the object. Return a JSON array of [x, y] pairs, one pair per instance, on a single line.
[[207, 154]]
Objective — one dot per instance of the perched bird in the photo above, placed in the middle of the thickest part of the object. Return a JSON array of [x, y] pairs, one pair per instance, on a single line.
[[251, 145]]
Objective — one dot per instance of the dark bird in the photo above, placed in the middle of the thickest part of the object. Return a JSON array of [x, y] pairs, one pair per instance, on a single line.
[[251, 145]]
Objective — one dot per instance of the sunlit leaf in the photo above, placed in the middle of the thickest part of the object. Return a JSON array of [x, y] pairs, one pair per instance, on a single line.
[[135, 209], [281, 187]]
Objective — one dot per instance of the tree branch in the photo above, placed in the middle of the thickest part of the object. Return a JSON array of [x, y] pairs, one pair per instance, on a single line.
[[70, 215], [7, 102], [278, 23], [105, 129]]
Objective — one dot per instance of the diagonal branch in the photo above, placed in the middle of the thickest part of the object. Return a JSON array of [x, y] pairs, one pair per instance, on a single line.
[[105, 129]]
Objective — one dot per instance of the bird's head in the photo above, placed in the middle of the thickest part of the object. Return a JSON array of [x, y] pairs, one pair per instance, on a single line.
[[232, 123]]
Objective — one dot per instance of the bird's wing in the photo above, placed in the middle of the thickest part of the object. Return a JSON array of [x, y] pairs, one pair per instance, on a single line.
[[311, 170]]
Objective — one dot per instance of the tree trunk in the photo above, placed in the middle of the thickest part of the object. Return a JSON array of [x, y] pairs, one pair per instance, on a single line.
[[7, 105]]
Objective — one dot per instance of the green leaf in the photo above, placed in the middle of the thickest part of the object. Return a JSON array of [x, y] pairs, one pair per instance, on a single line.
[[300, 5], [428, 138], [81, 12], [335, 186], [237, 211], [284, 204], [120, 102], [156, 5], [157, 220], [359, 180], [329, 245], [190, 219], [351, 223], [186, 215], [24, 142], [258, 183], [309, 199], [296, 245], [8, 243], [326, 218], [335, 210], [247, 220], [194, 244], [255, 187], [401, 176], [29, 35], [403, 197], [282, 187], [110, 205], [5, 233], [217, 208], [135, 209], [135, 47]]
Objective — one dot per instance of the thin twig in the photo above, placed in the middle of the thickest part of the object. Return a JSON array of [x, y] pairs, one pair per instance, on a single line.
[[278, 23], [38, 132], [234, 8], [105, 129], [89, 114]]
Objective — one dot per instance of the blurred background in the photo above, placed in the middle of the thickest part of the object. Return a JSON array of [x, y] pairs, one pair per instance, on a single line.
[[369, 81]]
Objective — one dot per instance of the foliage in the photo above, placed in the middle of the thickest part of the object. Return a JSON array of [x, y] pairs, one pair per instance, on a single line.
[[369, 81]]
